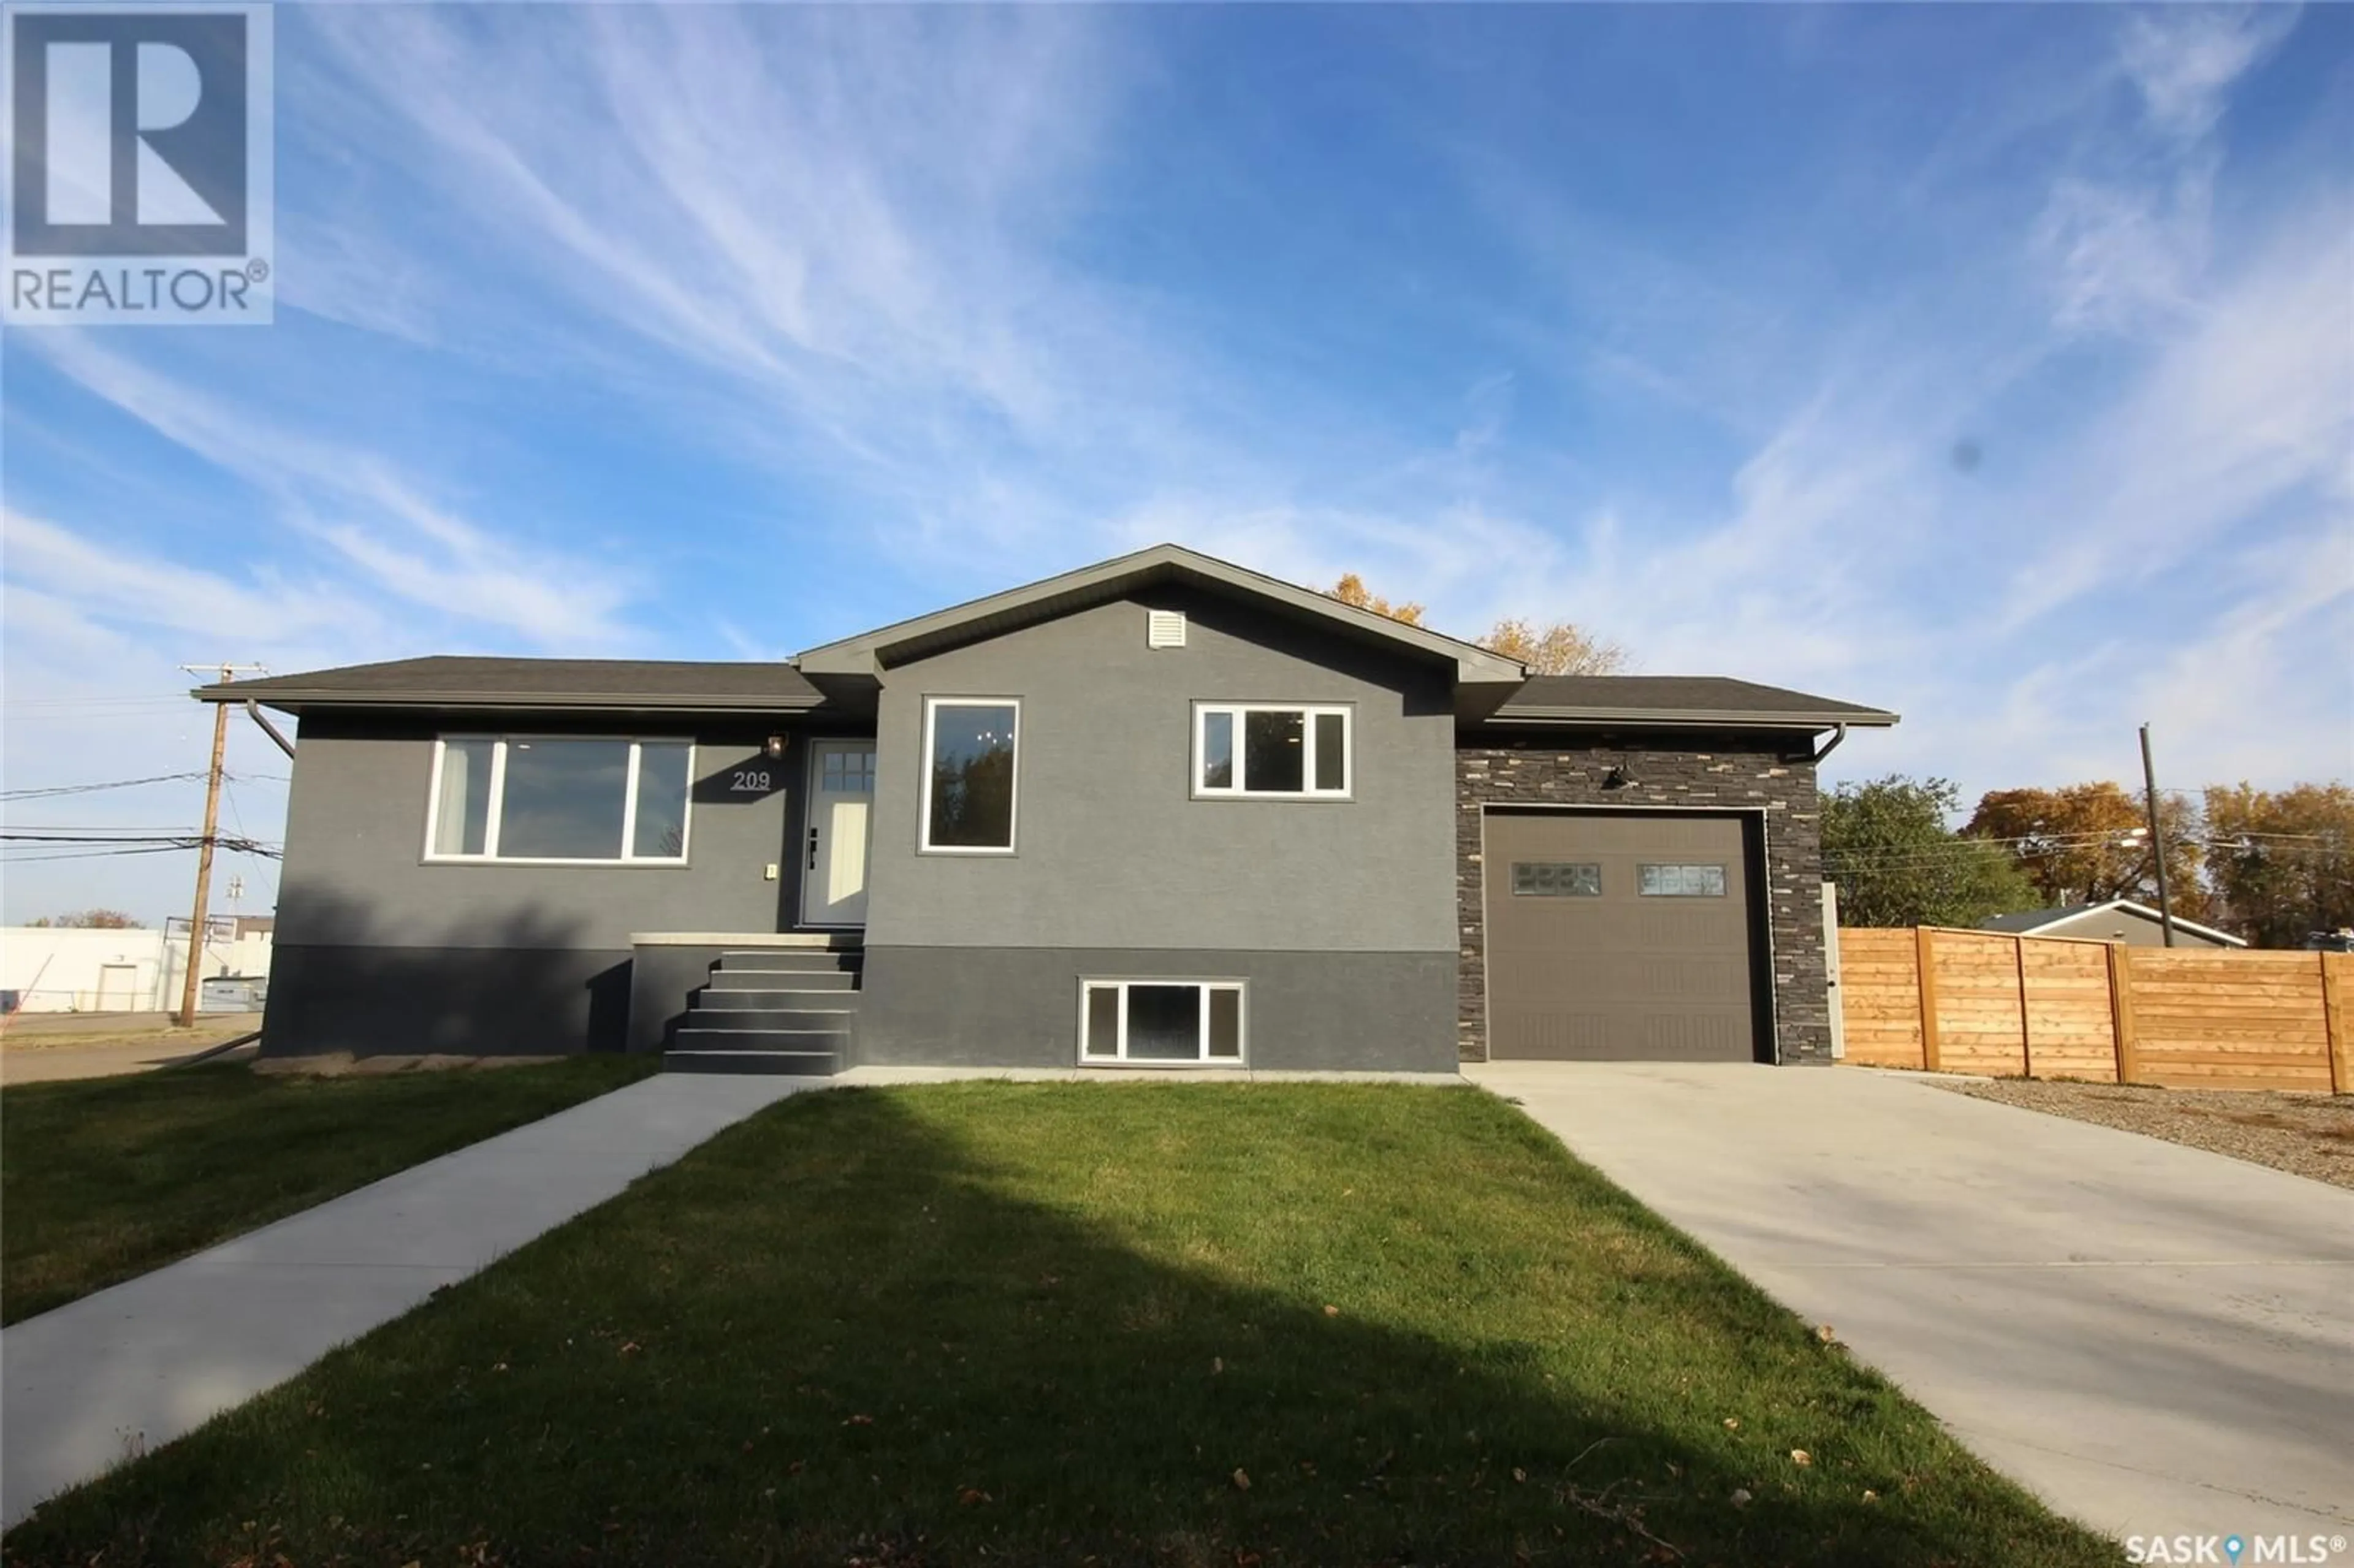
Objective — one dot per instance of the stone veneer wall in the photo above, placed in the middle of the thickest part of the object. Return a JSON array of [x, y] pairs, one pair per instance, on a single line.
[[1532, 772]]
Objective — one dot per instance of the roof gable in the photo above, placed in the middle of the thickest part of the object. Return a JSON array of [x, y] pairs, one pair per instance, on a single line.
[[871, 652], [2026, 923]]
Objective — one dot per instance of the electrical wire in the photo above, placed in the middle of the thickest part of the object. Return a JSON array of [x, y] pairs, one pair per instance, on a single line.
[[55, 789]]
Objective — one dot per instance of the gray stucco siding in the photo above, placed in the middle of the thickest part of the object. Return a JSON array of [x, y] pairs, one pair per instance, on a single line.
[[1115, 851], [380, 950], [356, 874], [1019, 1007]]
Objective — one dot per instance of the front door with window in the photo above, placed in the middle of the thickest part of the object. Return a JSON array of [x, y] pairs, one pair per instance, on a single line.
[[833, 862]]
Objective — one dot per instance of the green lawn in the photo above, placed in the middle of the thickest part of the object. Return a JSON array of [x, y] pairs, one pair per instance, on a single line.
[[107, 1178], [1048, 1323]]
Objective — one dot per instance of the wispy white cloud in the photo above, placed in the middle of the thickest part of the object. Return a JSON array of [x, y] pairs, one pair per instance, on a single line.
[[355, 500]]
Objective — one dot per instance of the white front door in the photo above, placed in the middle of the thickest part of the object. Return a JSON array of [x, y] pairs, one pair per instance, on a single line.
[[833, 862]]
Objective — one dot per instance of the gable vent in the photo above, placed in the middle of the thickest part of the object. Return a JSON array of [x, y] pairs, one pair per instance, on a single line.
[[1164, 629]]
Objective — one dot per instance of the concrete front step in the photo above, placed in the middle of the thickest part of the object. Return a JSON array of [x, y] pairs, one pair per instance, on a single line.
[[783, 979], [697, 1036], [808, 999], [794, 1063], [788, 1020]]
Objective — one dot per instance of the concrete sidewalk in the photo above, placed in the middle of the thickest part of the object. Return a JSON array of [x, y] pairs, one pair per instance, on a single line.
[[2157, 1339], [133, 1367]]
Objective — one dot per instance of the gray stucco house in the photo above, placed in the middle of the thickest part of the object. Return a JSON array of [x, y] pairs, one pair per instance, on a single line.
[[1161, 810]]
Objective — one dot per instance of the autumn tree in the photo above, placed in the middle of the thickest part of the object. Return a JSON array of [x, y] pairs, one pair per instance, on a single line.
[[91, 920], [1559, 648], [2281, 864], [2087, 844], [1351, 590], [1887, 844]]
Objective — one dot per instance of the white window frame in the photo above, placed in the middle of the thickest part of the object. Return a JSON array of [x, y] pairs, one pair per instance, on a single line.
[[1121, 983], [932, 704], [1308, 712], [498, 786]]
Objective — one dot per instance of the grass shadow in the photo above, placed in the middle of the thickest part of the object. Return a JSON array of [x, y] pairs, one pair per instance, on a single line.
[[1048, 1323]]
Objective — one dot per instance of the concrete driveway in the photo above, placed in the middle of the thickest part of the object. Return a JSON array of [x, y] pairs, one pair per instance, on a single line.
[[2155, 1338]]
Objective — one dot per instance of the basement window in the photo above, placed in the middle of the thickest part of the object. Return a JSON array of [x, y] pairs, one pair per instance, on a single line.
[[1161, 1023], [1271, 751], [560, 799]]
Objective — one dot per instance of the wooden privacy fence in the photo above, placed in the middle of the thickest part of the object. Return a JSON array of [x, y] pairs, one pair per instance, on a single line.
[[2053, 1007]]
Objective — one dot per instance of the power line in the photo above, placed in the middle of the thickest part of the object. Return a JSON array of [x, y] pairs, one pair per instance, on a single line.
[[40, 794]]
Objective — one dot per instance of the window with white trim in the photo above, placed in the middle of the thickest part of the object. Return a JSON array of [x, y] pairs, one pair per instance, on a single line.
[[1160, 1020], [970, 747], [562, 799], [1271, 750]]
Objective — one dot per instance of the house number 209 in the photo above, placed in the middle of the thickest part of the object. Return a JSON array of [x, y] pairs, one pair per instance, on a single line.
[[750, 780]]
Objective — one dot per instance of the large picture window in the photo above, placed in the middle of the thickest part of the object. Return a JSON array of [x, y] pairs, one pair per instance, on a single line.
[[1153, 1020], [1274, 750], [560, 799], [970, 746]]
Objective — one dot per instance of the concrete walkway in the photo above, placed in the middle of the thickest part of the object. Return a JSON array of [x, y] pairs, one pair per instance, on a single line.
[[133, 1367], [2155, 1339]]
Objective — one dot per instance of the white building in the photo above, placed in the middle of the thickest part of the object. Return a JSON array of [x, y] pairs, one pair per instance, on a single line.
[[47, 969]]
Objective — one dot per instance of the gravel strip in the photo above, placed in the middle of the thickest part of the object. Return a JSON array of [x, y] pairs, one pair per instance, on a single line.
[[2305, 1135]]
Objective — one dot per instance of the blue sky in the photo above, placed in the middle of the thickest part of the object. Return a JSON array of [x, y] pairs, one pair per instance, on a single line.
[[1995, 364]]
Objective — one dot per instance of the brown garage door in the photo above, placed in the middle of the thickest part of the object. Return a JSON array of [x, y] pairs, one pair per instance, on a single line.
[[1620, 936]]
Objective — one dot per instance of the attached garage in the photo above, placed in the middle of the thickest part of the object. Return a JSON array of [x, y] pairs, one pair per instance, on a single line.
[[1625, 936]]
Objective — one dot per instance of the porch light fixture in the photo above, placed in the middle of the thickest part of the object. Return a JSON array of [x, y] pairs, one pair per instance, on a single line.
[[773, 747]]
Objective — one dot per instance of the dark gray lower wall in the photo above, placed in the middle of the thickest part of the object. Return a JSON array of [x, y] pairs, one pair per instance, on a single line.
[[475, 1001], [662, 980], [1019, 1007]]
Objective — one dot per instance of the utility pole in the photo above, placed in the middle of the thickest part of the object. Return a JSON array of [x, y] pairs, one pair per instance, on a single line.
[[2156, 839], [205, 845]]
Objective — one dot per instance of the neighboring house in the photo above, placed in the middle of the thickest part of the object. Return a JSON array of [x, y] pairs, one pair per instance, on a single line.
[[1161, 810], [2118, 920], [72, 968]]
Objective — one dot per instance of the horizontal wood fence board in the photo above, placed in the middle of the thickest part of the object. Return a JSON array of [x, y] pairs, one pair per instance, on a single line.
[[2055, 1007]]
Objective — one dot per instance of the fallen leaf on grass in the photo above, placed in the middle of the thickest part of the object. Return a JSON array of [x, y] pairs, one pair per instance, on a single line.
[[1871, 1496], [1242, 1481], [1330, 1310], [1740, 1498], [1801, 1458], [972, 1495], [1732, 1424], [860, 1421]]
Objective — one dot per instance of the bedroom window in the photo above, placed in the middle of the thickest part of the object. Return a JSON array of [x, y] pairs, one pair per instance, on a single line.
[[969, 747], [1271, 750], [1158, 1020], [560, 799]]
